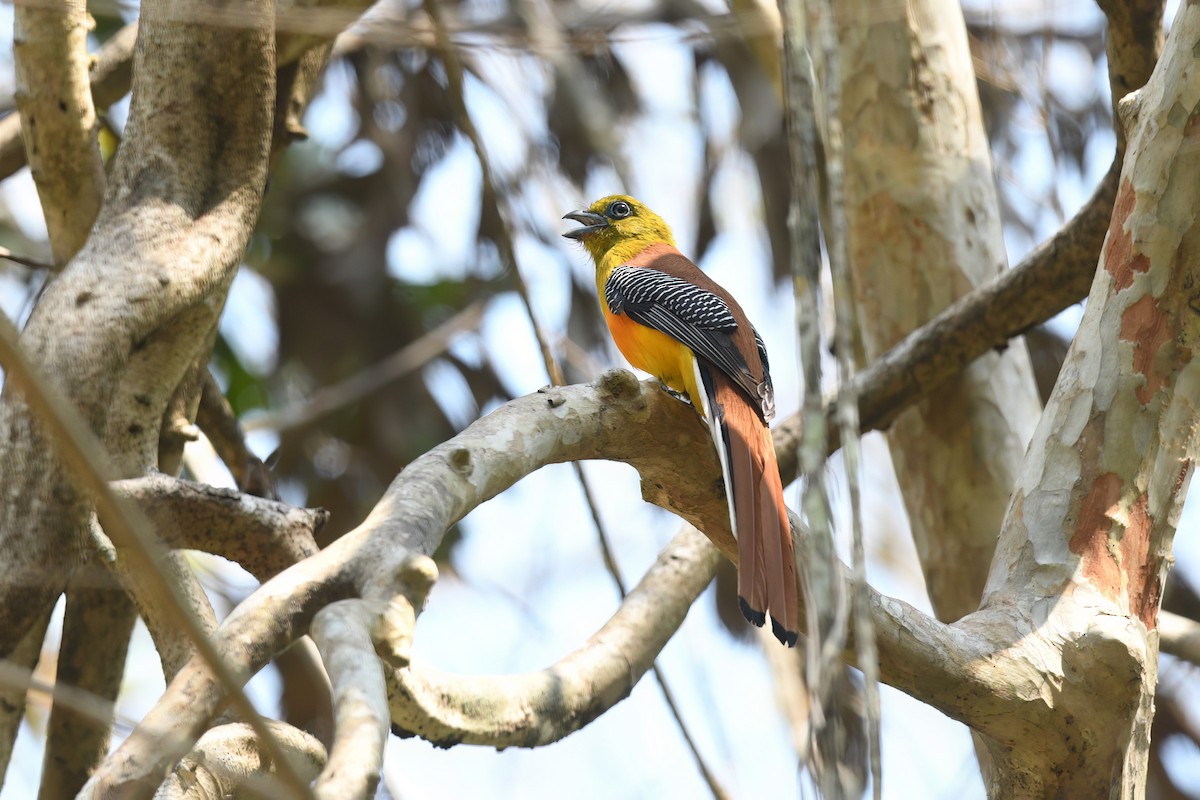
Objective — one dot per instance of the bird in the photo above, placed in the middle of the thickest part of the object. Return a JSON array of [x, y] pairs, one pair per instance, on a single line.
[[671, 320]]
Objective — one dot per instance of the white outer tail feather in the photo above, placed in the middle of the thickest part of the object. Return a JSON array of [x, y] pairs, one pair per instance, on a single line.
[[715, 428]]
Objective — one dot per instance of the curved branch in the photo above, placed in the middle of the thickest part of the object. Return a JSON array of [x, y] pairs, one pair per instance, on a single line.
[[542, 707], [615, 418], [919, 655]]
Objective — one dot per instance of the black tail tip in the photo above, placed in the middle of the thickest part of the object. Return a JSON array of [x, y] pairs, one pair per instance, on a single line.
[[756, 618], [788, 638]]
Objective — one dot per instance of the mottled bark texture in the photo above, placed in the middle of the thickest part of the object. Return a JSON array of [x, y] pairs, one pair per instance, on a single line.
[[116, 332], [1073, 596]]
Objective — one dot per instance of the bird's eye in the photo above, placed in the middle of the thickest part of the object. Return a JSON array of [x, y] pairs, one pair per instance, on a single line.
[[620, 210]]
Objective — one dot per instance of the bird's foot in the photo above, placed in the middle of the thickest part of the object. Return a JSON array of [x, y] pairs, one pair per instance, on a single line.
[[680, 396]]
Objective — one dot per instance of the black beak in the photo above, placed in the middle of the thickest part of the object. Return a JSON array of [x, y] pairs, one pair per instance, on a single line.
[[590, 222]]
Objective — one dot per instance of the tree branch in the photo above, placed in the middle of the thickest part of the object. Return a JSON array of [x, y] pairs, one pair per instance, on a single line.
[[1057, 274], [263, 536], [1179, 636], [542, 707], [109, 76], [85, 457], [343, 634], [615, 418], [58, 119], [229, 760]]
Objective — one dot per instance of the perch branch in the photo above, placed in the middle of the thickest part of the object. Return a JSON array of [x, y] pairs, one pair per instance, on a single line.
[[614, 418]]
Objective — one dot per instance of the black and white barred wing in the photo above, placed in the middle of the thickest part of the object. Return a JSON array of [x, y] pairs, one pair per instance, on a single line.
[[689, 314]]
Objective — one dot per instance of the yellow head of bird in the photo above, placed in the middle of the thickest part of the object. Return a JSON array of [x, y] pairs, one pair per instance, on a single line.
[[618, 220]]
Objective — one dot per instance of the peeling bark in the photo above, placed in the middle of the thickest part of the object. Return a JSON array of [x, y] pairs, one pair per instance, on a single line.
[[1075, 587]]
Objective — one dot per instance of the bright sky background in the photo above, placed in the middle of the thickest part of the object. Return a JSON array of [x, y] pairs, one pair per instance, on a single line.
[[530, 585]]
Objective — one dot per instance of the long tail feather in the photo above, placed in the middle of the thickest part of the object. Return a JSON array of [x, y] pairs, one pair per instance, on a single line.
[[766, 560], [778, 549]]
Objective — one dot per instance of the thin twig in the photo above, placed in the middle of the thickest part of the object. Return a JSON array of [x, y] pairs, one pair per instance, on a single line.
[[404, 361], [826, 603], [25, 261], [84, 456], [215, 416], [455, 75], [847, 403], [610, 562], [82, 702]]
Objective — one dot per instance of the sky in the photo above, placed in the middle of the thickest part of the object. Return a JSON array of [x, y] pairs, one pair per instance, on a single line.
[[528, 575]]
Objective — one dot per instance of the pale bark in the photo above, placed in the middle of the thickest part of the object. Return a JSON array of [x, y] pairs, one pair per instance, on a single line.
[[925, 230], [229, 759], [342, 632], [97, 624], [58, 120], [263, 536], [1073, 596], [616, 418]]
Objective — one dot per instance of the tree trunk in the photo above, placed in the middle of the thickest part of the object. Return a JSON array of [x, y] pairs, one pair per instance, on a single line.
[[924, 229], [1071, 604]]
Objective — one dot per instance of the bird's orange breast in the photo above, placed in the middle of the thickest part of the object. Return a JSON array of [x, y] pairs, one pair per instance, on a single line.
[[654, 352]]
